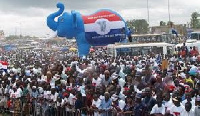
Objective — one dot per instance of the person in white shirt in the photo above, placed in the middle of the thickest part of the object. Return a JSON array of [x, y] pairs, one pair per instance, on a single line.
[[158, 108], [197, 106], [96, 102], [119, 93], [177, 109], [167, 102], [188, 98], [67, 102], [96, 81], [188, 110]]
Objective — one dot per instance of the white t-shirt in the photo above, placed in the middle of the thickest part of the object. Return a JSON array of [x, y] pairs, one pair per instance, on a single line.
[[72, 99], [19, 91], [97, 81], [177, 111], [122, 104], [97, 104], [190, 113], [64, 101], [192, 102], [52, 83], [54, 97], [157, 109], [168, 104]]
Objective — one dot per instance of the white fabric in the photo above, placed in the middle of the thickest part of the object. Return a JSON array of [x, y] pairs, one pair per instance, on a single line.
[[168, 104], [192, 102], [190, 113], [122, 104], [177, 111], [97, 104], [157, 109], [97, 82], [109, 25]]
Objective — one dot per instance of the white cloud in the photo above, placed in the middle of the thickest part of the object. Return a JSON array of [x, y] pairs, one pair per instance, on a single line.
[[32, 14]]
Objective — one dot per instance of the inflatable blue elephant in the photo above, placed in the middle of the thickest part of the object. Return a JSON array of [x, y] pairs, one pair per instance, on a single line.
[[99, 29]]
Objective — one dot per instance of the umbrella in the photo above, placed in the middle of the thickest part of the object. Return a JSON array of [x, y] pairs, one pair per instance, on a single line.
[[73, 49]]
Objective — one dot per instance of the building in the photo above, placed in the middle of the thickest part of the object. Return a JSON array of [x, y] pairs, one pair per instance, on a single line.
[[181, 29]]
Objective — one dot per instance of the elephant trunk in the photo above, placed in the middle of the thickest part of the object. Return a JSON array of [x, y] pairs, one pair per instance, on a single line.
[[51, 23]]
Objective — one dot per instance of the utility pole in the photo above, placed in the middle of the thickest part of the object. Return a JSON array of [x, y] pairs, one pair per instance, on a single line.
[[148, 10], [169, 11]]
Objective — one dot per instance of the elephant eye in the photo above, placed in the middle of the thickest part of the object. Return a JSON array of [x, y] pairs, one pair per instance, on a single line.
[[62, 19]]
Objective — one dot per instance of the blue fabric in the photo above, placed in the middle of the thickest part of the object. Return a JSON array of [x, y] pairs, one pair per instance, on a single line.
[[78, 104], [138, 109], [106, 105], [71, 25], [34, 94]]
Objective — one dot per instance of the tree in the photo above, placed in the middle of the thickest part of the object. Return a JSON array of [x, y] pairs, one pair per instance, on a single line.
[[162, 23], [195, 23], [170, 23], [139, 26]]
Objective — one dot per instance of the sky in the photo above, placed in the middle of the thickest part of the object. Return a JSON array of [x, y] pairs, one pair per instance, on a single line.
[[28, 17]]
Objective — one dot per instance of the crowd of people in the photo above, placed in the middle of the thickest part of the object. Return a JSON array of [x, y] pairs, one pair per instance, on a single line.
[[50, 83]]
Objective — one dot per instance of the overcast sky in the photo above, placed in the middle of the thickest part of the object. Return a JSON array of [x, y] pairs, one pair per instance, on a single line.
[[29, 16]]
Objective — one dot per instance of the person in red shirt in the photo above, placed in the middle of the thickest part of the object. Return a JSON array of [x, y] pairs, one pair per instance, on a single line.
[[194, 51]]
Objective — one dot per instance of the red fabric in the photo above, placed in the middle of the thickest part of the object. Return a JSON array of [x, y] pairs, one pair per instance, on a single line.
[[171, 87], [69, 89], [110, 16], [89, 99], [4, 62], [65, 94], [126, 88], [68, 69], [194, 52], [9, 103], [183, 53]]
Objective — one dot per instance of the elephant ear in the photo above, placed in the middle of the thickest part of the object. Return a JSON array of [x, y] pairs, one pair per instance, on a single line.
[[74, 17]]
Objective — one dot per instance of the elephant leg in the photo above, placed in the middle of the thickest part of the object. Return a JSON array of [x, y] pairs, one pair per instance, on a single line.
[[83, 45]]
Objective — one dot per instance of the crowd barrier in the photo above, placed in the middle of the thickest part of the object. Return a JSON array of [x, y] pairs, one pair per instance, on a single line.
[[37, 109]]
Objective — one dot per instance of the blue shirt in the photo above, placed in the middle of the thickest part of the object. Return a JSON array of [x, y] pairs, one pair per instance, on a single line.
[[106, 105]]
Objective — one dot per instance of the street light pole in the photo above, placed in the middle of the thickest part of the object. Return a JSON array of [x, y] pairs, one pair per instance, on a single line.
[[169, 11], [148, 10]]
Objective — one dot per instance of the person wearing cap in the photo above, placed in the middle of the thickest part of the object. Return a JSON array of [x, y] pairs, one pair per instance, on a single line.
[[177, 108], [105, 107], [138, 106], [148, 100], [106, 80], [115, 105]]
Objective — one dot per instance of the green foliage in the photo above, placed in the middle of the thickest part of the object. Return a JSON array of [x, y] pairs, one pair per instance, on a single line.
[[170, 23], [162, 23], [11, 37], [139, 26], [195, 23]]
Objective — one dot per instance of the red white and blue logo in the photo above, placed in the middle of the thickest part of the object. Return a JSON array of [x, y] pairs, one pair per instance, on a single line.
[[104, 27]]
